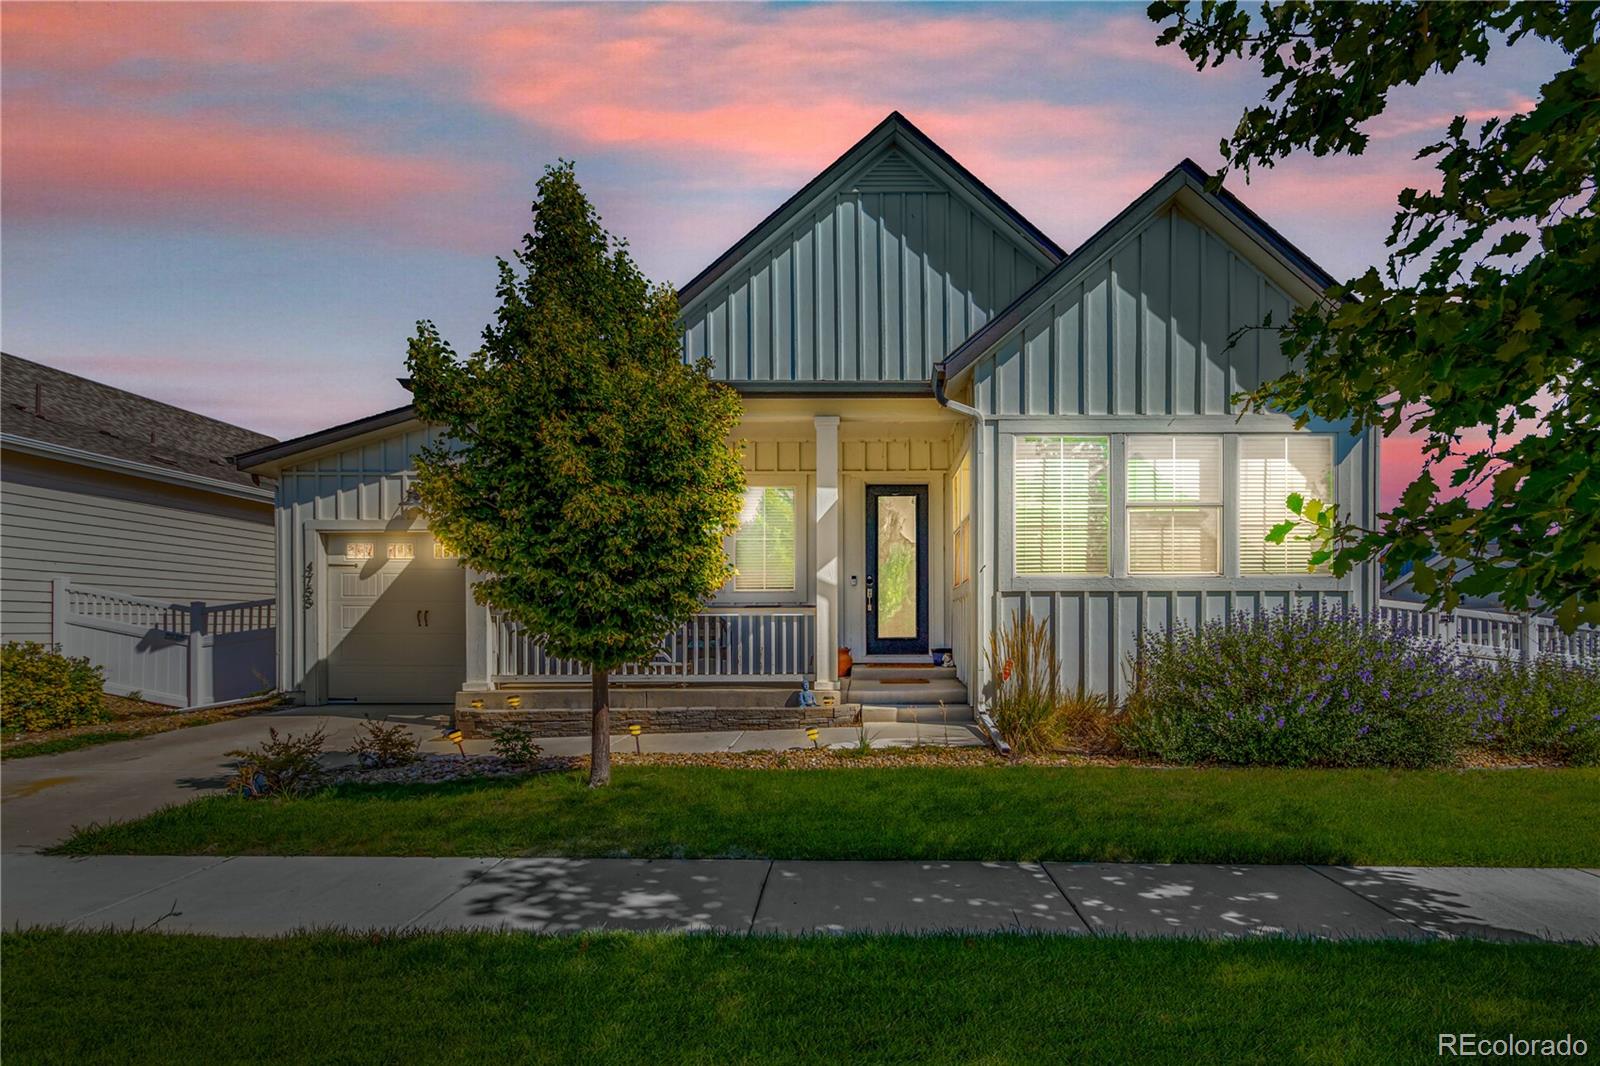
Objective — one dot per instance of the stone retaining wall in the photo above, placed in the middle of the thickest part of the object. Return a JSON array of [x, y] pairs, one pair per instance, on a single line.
[[480, 723]]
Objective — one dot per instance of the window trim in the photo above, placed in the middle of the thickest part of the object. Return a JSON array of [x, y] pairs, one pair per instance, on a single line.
[[1009, 523], [729, 595], [1238, 512]]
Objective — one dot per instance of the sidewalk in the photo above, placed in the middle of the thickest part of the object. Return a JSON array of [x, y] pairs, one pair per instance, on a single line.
[[261, 896]]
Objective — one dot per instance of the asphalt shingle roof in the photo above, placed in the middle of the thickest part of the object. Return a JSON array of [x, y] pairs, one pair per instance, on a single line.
[[51, 406]]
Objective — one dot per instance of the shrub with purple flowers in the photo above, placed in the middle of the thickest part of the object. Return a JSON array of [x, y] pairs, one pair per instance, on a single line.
[[1548, 709], [1298, 688]]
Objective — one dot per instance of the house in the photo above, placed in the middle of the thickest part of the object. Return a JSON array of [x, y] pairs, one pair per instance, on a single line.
[[947, 419], [118, 515]]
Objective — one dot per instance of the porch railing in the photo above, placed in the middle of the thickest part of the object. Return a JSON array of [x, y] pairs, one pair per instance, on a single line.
[[718, 644], [1494, 635]]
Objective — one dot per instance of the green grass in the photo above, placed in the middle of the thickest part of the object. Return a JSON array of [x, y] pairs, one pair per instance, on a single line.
[[1487, 818], [24, 749], [129, 997]]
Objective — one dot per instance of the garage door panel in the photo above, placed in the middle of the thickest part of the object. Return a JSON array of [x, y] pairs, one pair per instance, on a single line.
[[397, 625]]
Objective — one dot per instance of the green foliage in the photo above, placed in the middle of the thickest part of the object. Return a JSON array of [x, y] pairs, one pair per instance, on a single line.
[[516, 745], [1483, 322], [589, 474], [1026, 675], [378, 745], [1548, 709], [1298, 688], [42, 689], [279, 766]]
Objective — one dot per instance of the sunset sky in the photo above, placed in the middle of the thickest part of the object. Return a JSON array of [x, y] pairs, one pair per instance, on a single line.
[[244, 209]]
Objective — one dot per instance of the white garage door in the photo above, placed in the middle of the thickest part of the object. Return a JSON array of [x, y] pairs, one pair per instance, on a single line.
[[396, 619]]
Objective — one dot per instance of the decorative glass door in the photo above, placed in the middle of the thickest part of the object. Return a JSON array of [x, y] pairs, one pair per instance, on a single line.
[[897, 569]]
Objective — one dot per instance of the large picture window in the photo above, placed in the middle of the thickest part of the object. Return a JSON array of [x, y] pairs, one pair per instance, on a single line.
[[765, 549], [1270, 468], [1174, 504], [1062, 505]]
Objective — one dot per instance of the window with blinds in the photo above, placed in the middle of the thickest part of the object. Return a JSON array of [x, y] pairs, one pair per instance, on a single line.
[[1174, 504], [764, 549], [961, 522], [1062, 505], [1270, 468]]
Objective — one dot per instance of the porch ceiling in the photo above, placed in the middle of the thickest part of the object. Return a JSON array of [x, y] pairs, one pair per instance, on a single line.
[[853, 411]]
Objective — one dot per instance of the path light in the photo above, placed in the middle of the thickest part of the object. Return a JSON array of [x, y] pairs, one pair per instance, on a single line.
[[635, 730], [477, 704], [455, 737], [514, 702], [811, 735]]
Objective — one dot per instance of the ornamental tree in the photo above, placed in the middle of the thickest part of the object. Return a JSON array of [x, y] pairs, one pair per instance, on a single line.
[[1483, 324], [588, 475]]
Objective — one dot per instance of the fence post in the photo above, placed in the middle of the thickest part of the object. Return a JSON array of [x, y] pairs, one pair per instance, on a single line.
[[1529, 635], [1446, 629], [199, 656], [59, 606]]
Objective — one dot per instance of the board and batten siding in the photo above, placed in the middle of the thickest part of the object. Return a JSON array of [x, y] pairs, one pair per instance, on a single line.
[[365, 485], [876, 283], [122, 533], [1137, 342]]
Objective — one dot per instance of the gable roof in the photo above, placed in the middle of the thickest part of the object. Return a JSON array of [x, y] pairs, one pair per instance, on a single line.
[[1186, 178], [895, 129], [52, 412]]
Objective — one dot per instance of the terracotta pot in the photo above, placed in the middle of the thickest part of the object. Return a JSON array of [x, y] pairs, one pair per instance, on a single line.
[[845, 662]]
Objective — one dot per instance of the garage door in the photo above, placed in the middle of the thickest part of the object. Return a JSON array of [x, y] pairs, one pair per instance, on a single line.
[[396, 619]]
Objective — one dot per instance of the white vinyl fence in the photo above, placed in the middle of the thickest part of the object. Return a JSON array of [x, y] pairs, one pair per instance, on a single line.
[[1494, 635], [179, 654]]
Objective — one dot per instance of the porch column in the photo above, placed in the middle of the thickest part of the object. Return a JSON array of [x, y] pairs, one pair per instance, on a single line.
[[825, 537], [480, 641]]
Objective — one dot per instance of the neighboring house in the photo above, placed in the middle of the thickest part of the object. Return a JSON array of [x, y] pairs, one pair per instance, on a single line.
[[119, 492], [947, 419]]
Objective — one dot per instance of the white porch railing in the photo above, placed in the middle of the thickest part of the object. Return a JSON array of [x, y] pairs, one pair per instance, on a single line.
[[180, 654], [1494, 635], [719, 644]]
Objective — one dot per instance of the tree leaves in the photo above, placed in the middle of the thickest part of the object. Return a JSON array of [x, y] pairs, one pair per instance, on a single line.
[[1484, 322]]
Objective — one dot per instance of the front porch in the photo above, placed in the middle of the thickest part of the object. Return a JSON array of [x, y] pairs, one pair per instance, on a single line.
[[819, 573]]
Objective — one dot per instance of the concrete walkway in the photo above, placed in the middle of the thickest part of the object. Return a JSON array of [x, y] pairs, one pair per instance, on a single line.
[[259, 896], [43, 798]]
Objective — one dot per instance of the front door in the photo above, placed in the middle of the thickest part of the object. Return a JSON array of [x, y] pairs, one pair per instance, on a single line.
[[897, 569]]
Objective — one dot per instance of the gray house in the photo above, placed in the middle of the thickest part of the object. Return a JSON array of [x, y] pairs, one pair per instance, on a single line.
[[125, 499], [947, 419]]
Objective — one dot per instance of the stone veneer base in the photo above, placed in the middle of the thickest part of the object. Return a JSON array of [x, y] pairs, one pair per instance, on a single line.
[[480, 723]]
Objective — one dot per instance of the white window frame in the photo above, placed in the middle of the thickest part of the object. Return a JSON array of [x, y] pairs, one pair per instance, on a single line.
[[1213, 504], [1237, 521], [731, 595], [1009, 521]]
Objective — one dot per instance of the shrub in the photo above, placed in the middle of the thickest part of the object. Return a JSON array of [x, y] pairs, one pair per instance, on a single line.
[[1298, 688], [281, 766], [42, 689], [1027, 684], [1548, 709], [515, 744], [1089, 724], [378, 745]]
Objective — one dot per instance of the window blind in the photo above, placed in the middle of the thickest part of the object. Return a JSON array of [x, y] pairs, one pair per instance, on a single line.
[[1062, 508], [1167, 470], [1270, 468], [764, 549]]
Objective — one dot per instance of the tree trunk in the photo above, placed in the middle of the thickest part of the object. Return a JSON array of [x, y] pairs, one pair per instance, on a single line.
[[600, 729]]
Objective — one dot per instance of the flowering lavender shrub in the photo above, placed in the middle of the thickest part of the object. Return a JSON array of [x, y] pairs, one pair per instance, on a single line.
[[1299, 688], [1549, 709]]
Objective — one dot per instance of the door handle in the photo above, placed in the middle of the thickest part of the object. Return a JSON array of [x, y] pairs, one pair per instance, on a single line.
[[425, 619], [869, 594]]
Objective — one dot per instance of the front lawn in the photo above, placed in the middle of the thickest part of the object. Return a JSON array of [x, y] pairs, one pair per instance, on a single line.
[[128, 997], [1465, 818]]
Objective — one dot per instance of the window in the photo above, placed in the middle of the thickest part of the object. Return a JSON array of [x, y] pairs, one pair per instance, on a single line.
[[765, 548], [1062, 505], [442, 550], [402, 549], [961, 522], [1270, 468], [358, 549], [1174, 505]]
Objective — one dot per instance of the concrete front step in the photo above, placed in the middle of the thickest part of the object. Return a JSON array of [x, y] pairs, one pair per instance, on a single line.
[[895, 671], [909, 694], [955, 714]]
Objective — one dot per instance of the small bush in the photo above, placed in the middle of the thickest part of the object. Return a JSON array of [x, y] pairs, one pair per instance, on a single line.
[[281, 766], [42, 689], [1298, 688], [1089, 724], [1549, 709], [378, 746], [1027, 684], [515, 744]]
